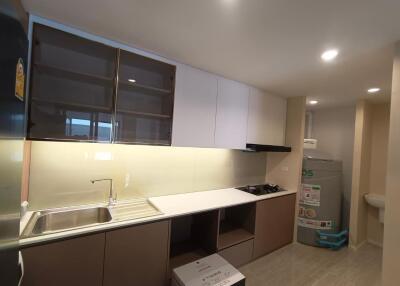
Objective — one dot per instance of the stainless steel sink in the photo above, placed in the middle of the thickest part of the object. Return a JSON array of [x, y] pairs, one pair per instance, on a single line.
[[53, 221], [57, 220]]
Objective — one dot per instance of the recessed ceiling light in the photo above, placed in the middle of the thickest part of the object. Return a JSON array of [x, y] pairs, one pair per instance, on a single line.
[[131, 80], [329, 55], [313, 102], [374, 90]]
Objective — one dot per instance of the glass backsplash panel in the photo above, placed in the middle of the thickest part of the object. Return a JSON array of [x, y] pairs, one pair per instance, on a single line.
[[60, 172]]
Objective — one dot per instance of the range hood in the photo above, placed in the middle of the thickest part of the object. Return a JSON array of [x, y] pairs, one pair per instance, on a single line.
[[267, 148]]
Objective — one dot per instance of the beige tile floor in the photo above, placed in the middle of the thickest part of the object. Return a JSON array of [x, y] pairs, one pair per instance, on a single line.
[[300, 265]]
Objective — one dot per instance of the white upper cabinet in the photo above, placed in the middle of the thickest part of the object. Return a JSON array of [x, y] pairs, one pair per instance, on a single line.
[[214, 112], [231, 119], [194, 108], [267, 119]]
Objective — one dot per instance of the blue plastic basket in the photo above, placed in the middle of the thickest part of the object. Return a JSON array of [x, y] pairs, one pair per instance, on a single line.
[[332, 240]]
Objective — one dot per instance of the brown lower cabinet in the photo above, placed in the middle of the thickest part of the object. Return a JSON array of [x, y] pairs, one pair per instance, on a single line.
[[77, 261], [140, 255], [274, 224], [137, 255]]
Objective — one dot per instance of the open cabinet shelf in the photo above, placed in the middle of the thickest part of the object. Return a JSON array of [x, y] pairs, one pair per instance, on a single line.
[[231, 235], [185, 252], [192, 237], [236, 225]]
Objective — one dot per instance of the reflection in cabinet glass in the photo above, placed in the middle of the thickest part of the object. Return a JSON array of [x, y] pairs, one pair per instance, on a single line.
[[144, 101], [71, 94]]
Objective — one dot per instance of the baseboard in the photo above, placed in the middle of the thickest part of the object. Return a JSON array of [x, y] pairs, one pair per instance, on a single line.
[[356, 247], [373, 242], [370, 241]]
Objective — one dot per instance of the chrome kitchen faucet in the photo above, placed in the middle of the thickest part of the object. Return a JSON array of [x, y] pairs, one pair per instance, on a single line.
[[111, 199]]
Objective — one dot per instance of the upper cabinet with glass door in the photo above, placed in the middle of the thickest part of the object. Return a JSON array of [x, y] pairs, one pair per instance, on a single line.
[[144, 101], [72, 86], [75, 93]]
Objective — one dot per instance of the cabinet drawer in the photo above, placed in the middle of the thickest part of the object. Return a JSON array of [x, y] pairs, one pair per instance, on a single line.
[[239, 254]]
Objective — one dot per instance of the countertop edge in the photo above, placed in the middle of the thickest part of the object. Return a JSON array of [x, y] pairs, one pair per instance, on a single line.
[[157, 201]]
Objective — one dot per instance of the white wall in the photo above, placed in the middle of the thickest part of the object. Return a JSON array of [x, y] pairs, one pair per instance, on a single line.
[[378, 167], [391, 249], [360, 174], [334, 130], [284, 169]]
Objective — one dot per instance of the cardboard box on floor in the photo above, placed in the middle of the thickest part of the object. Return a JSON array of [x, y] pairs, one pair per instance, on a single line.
[[212, 270]]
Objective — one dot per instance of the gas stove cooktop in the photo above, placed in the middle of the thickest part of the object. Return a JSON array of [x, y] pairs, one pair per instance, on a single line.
[[260, 190]]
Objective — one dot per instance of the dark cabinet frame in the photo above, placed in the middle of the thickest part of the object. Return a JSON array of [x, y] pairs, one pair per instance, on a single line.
[[113, 111]]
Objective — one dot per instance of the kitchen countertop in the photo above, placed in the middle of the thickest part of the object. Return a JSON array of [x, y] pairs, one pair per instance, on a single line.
[[170, 206]]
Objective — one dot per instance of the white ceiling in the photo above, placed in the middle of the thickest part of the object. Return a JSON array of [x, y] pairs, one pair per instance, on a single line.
[[271, 44]]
